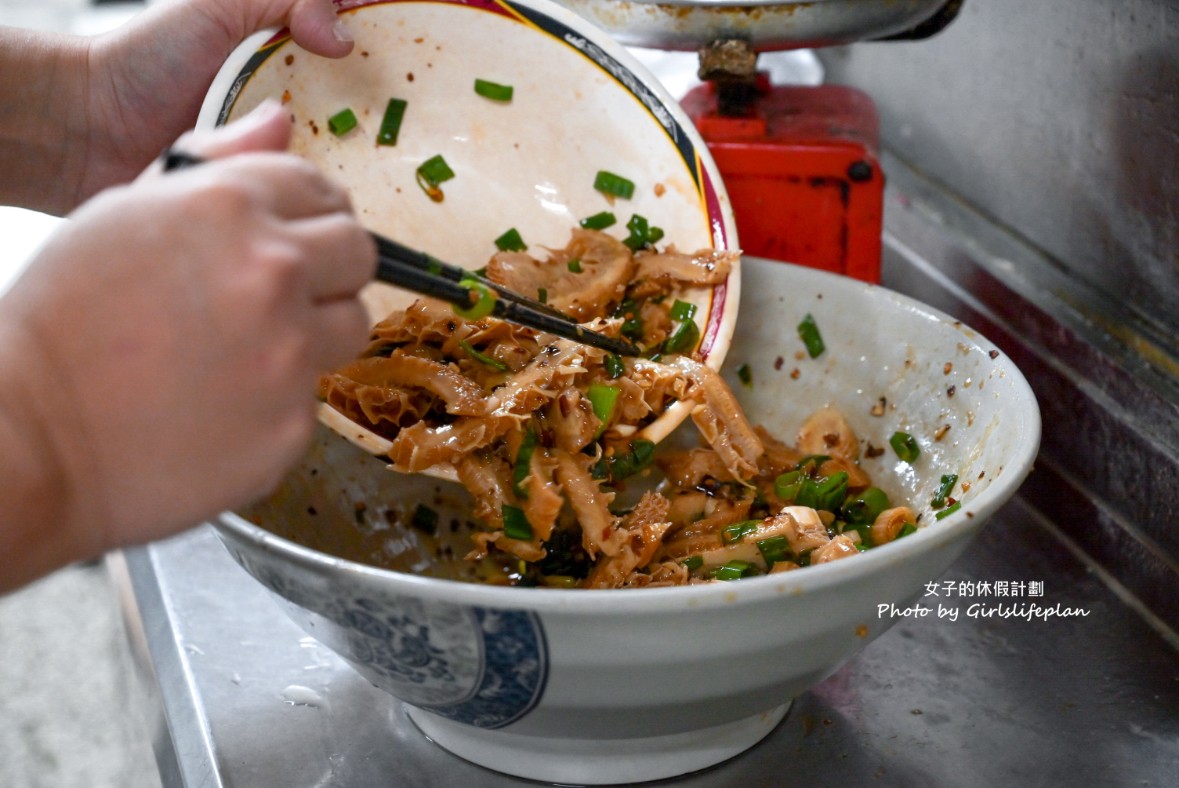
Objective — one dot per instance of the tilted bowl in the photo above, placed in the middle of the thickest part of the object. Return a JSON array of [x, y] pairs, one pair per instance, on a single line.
[[577, 686], [580, 104]]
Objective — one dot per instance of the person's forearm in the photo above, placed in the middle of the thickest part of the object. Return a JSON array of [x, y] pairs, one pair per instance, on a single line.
[[43, 124], [38, 533]]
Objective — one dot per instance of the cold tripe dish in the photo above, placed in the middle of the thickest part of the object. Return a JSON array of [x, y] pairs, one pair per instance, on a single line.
[[545, 432]]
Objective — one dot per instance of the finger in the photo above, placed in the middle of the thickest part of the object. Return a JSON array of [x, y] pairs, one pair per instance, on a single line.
[[266, 128], [343, 255], [341, 328], [316, 27]]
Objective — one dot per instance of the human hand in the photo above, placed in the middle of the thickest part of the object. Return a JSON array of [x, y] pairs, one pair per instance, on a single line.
[[147, 79], [161, 352]]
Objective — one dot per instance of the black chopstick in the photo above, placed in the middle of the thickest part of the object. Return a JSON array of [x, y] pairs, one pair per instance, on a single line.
[[411, 269]]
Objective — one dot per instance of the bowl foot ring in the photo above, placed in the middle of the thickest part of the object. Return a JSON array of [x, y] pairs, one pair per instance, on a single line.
[[597, 761]]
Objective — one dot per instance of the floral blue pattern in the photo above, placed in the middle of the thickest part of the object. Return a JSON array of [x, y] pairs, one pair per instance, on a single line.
[[480, 666]]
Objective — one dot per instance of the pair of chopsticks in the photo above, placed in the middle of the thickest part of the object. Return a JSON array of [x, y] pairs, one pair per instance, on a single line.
[[413, 270]]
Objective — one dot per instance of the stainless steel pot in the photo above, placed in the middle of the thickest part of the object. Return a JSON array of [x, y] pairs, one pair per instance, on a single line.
[[767, 25]]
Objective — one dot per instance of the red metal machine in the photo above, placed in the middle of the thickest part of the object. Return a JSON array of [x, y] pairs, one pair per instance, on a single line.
[[800, 166]]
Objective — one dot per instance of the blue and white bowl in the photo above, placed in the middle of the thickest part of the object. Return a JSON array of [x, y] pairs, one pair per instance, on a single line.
[[604, 687]]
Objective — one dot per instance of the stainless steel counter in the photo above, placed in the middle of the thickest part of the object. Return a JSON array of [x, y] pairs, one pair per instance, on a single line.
[[249, 700]]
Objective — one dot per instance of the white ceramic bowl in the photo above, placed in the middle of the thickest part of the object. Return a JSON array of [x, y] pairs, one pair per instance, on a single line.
[[581, 103], [629, 685]]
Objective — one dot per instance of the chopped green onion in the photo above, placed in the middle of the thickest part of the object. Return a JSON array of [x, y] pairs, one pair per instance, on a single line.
[[683, 339], [603, 400], [542, 295], [745, 375], [632, 320], [866, 506], [641, 233], [574, 266], [614, 366], [523, 463], [788, 484], [431, 173], [424, 519], [731, 534], [483, 358], [620, 466], [814, 460], [693, 562], [511, 242], [391, 122], [944, 513], [825, 493], [865, 532], [482, 303], [682, 310], [905, 445], [516, 525], [493, 90], [599, 221], [944, 489], [732, 570], [808, 332], [614, 185], [774, 549], [908, 530], [342, 122]]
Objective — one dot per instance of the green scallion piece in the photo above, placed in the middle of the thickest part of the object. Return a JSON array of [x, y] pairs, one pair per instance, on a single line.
[[813, 460], [482, 300], [599, 221], [391, 121], [620, 466], [865, 507], [614, 185], [731, 534], [641, 233], [908, 530], [424, 519], [787, 485], [682, 310], [493, 90], [944, 513], [574, 266], [342, 122], [516, 525], [943, 490], [745, 375], [542, 295], [774, 549], [431, 173], [523, 462], [511, 242], [613, 366], [732, 570], [693, 562], [824, 493], [865, 532], [905, 445], [483, 358], [603, 400], [683, 339], [808, 332]]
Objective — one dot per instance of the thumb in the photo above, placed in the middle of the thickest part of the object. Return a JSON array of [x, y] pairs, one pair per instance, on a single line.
[[266, 128]]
